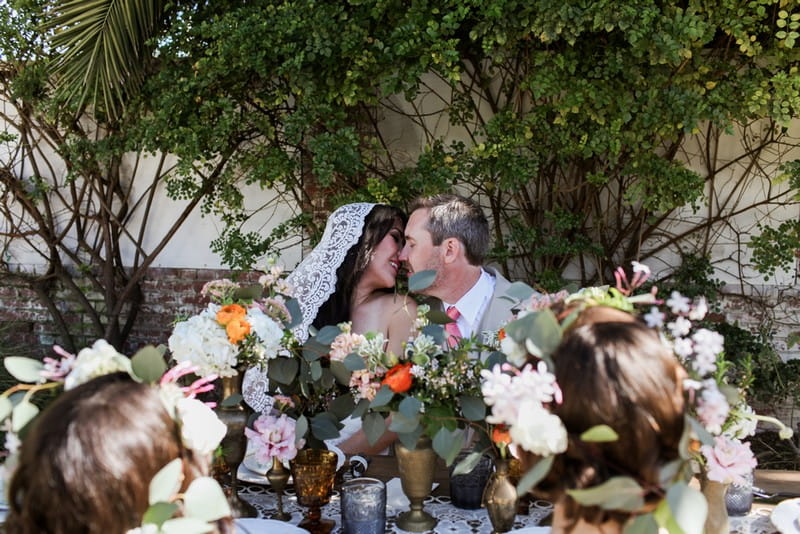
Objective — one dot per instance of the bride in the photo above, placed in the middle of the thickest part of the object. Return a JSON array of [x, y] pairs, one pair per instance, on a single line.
[[350, 276]]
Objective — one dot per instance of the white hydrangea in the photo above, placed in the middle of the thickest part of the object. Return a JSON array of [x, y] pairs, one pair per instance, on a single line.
[[99, 359], [201, 341], [268, 331]]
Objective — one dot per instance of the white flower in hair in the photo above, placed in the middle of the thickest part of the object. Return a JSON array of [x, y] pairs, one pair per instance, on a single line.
[[98, 360], [538, 431], [201, 429]]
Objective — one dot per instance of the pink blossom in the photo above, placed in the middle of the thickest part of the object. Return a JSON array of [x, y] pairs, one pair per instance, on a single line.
[[728, 460], [365, 383], [274, 437], [57, 370], [344, 344]]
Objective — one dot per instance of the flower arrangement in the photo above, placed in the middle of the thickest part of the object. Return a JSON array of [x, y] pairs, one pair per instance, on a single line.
[[520, 395], [240, 327], [200, 428], [429, 389]]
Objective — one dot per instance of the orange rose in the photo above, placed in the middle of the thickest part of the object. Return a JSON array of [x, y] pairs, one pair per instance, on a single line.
[[237, 329], [399, 378], [501, 334], [230, 312], [500, 434]]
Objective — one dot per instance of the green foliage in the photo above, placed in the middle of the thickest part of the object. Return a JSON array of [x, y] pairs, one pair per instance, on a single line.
[[776, 247]]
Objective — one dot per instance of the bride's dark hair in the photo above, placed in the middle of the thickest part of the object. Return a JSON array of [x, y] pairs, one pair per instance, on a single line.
[[377, 224]]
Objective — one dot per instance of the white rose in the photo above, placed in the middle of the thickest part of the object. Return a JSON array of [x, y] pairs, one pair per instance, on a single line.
[[538, 431], [201, 429], [98, 360]]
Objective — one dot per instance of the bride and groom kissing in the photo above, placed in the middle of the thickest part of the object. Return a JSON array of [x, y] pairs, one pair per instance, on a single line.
[[351, 276]]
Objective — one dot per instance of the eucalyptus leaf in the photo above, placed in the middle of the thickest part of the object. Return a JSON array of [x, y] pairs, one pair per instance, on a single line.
[[519, 291], [22, 414], [340, 373], [435, 331], [325, 426], [24, 369], [700, 431], [300, 428], [473, 408], [316, 370], [148, 364], [641, 524], [354, 362], [166, 482], [361, 408], [283, 370], [534, 475], [689, 507], [420, 281], [5, 408], [665, 521], [616, 493], [495, 358], [374, 427], [436, 316], [159, 512], [402, 424], [410, 407], [466, 465], [600, 434], [296, 313], [314, 350], [186, 525], [448, 444], [382, 397], [248, 293], [205, 500], [409, 439], [327, 334], [342, 406]]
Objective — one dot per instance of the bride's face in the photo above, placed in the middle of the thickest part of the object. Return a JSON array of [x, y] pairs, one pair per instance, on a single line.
[[383, 267]]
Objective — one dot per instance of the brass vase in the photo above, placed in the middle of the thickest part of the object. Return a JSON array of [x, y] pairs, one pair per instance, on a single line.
[[717, 518], [500, 498], [416, 467], [278, 477], [313, 471], [234, 444]]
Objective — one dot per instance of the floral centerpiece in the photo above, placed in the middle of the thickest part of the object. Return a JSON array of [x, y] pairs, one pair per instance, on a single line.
[[200, 429], [520, 394], [241, 326]]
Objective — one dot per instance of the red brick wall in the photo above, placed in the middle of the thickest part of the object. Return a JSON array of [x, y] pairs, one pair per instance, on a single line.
[[168, 294]]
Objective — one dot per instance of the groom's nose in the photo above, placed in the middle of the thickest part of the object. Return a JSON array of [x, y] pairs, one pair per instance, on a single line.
[[403, 256]]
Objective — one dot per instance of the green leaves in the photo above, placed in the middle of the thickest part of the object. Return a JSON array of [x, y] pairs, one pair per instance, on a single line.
[[616, 493], [24, 369], [148, 364], [166, 483], [534, 475], [421, 281], [374, 427], [539, 331], [600, 433]]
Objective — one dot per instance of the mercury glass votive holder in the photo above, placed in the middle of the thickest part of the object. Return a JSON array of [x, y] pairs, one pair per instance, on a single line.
[[363, 506], [739, 497]]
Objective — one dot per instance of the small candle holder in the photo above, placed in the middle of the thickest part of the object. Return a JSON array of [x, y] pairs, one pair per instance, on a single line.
[[363, 506]]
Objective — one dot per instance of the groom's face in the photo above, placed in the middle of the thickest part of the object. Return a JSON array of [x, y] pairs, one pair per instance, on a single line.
[[419, 252]]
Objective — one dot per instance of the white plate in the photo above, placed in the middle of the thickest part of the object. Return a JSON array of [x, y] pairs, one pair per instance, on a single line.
[[245, 475], [252, 525], [530, 530], [786, 516], [254, 465]]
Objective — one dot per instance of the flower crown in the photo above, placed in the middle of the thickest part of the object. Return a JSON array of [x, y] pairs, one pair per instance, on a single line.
[[520, 394], [200, 429]]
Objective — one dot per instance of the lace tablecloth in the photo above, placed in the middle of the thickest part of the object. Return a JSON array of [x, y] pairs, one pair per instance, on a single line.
[[452, 520]]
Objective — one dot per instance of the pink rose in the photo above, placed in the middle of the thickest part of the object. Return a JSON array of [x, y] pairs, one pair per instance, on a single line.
[[728, 460]]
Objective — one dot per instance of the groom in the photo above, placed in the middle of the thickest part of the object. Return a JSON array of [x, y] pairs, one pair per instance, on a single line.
[[450, 235]]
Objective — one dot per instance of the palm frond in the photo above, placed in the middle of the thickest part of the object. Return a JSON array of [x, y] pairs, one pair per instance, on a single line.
[[101, 48]]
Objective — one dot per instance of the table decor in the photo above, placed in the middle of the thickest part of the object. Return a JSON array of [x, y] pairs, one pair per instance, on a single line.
[[466, 489], [785, 516], [363, 506], [278, 477], [500, 497], [739, 497], [416, 467], [313, 471]]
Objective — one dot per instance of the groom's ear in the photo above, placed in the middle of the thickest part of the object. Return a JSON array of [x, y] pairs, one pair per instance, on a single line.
[[453, 249]]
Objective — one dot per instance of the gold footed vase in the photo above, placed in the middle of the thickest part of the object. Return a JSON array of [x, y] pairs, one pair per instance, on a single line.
[[234, 444], [313, 471], [416, 467], [278, 477], [717, 518], [500, 498]]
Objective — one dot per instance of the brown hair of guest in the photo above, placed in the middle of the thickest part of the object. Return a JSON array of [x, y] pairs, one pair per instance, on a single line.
[[87, 463], [378, 222], [614, 370]]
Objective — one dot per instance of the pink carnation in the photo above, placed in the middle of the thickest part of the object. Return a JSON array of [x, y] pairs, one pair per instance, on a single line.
[[728, 460], [274, 437], [344, 344], [364, 381]]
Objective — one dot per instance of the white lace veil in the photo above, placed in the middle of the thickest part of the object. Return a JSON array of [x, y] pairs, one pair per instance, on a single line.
[[313, 281]]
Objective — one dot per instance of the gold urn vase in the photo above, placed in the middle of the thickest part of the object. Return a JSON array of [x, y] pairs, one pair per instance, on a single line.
[[416, 467], [500, 498]]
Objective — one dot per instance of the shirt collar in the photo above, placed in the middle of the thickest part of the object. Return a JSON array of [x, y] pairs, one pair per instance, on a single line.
[[472, 302]]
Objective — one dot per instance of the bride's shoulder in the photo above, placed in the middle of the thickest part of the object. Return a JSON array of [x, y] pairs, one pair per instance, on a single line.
[[394, 303]]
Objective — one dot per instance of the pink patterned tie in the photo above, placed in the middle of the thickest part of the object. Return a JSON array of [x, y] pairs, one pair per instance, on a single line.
[[454, 334]]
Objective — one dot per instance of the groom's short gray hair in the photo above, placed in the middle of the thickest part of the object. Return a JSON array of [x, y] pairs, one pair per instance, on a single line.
[[459, 217]]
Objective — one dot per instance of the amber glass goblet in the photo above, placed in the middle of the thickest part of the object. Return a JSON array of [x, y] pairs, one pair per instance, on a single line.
[[313, 471]]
